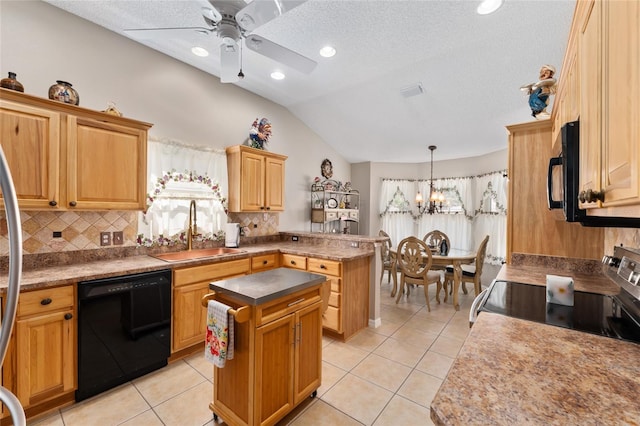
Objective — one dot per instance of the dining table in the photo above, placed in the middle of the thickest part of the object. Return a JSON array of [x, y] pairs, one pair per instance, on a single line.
[[455, 258]]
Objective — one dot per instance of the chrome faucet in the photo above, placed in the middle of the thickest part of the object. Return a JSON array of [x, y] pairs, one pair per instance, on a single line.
[[192, 230]]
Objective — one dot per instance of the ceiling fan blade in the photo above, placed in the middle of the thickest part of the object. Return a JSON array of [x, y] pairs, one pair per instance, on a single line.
[[280, 54], [229, 62], [211, 15], [260, 12], [164, 33]]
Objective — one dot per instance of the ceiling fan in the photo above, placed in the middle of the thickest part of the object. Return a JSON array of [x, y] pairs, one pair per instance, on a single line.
[[234, 20]]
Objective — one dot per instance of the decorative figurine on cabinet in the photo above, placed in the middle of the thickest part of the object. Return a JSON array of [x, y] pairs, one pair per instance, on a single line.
[[540, 91], [260, 133]]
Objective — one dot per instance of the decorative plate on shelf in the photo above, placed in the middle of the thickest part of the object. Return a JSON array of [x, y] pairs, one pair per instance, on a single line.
[[332, 203]]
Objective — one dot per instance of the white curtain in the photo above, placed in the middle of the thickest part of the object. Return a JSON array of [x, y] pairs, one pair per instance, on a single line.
[[474, 207], [177, 173], [395, 209]]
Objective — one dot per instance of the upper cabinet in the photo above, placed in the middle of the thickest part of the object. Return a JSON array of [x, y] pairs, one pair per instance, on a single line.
[[256, 180], [600, 85], [64, 157]]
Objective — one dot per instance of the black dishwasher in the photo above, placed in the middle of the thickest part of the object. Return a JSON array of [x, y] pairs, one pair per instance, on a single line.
[[124, 329]]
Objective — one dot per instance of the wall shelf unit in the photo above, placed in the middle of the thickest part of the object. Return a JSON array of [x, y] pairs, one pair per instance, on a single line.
[[334, 207]]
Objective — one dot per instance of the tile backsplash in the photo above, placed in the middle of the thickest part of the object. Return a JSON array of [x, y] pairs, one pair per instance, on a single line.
[[80, 230]]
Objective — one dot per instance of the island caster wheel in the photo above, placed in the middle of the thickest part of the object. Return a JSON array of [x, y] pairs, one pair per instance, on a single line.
[[215, 418], [314, 394]]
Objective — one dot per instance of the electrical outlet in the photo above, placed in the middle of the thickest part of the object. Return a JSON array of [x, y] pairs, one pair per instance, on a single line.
[[355, 244], [118, 238], [57, 234], [105, 238], [294, 238]]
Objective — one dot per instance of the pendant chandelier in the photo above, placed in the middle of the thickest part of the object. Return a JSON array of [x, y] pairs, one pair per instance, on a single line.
[[436, 199]]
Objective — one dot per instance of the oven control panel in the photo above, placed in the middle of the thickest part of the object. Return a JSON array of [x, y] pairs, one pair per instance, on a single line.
[[629, 271]]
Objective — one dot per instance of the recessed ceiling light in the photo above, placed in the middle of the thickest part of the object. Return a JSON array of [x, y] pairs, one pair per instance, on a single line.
[[489, 6], [327, 51], [199, 51], [277, 75]]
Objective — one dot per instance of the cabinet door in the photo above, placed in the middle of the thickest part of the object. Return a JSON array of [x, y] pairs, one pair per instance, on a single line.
[[253, 184], [621, 106], [274, 369], [106, 165], [590, 102], [189, 320], [274, 188], [44, 356], [308, 353], [30, 139]]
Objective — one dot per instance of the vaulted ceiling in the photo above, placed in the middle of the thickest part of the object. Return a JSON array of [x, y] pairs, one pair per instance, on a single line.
[[470, 67]]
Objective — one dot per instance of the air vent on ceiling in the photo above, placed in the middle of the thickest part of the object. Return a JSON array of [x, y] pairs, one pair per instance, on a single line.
[[412, 90]]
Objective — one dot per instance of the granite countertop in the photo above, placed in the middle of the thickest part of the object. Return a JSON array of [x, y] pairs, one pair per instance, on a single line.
[[515, 372], [86, 269], [262, 287], [591, 282]]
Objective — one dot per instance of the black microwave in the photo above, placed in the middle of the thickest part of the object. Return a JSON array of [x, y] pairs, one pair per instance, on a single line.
[[567, 192]]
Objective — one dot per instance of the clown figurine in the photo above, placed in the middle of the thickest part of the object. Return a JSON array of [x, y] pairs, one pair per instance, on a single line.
[[260, 133], [539, 92]]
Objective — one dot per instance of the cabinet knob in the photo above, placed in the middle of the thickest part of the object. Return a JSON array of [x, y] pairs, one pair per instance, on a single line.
[[72, 203], [322, 266], [268, 208], [293, 262], [46, 301], [591, 196], [68, 316], [53, 203], [264, 262], [261, 207]]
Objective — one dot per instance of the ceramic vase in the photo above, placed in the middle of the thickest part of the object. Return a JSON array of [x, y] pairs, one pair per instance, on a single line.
[[11, 83], [63, 92]]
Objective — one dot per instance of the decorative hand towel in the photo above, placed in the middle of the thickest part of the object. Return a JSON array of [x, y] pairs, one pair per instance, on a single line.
[[219, 340], [560, 290]]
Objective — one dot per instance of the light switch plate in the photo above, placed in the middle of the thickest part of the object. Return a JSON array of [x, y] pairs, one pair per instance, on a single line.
[[105, 238], [118, 238]]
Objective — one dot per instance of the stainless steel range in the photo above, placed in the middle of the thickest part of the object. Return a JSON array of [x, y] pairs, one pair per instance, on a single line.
[[612, 316]]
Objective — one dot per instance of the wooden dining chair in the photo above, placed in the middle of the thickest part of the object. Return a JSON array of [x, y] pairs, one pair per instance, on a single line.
[[414, 261], [470, 273], [434, 240], [387, 262]]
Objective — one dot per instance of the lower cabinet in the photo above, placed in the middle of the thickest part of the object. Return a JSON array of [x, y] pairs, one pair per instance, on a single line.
[[190, 284], [277, 360], [348, 308], [45, 345]]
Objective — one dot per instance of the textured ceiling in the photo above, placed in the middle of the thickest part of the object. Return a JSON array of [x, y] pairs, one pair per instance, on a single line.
[[471, 67]]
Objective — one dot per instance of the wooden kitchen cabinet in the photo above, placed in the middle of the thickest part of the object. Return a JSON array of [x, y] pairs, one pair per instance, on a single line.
[[256, 180], [65, 157], [609, 54], [277, 360], [531, 227], [348, 309], [264, 262], [190, 284], [45, 359]]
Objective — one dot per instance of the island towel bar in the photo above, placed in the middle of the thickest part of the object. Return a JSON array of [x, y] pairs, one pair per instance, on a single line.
[[241, 314]]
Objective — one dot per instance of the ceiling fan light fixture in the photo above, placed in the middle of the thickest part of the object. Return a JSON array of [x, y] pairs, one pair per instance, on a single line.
[[277, 75], [199, 51], [327, 51], [489, 6]]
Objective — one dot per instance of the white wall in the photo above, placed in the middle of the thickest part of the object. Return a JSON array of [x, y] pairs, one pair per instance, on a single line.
[[42, 44]]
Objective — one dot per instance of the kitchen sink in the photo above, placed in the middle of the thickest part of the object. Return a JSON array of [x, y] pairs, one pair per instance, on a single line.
[[196, 254]]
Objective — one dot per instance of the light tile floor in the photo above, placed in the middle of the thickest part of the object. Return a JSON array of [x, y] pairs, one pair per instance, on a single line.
[[382, 376]]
